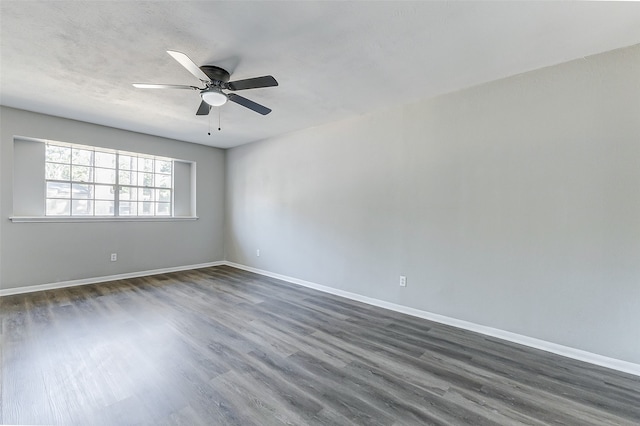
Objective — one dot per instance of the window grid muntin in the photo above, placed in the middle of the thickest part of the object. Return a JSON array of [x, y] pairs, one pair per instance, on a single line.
[[145, 208]]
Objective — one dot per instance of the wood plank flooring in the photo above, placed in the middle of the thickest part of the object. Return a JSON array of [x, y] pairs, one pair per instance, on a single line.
[[221, 346]]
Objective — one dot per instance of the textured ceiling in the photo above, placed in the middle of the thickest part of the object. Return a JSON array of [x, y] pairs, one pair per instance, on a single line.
[[333, 60]]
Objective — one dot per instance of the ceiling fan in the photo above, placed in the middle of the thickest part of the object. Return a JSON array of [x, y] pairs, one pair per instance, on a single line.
[[215, 79]]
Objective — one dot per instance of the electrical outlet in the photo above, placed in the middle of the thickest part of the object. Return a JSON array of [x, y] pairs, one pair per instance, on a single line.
[[114, 257], [258, 252], [403, 281]]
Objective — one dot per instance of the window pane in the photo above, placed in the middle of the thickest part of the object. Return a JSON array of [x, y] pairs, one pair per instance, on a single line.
[[105, 159], [58, 171], [127, 162], [145, 194], [163, 195], [145, 164], [163, 209], [145, 179], [58, 190], [127, 193], [105, 192], [104, 208], [105, 175], [58, 207], [82, 208], [163, 166], [127, 177], [163, 181], [82, 174], [145, 209], [82, 157], [81, 181], [82, 191], [58, 154], [128, 208]]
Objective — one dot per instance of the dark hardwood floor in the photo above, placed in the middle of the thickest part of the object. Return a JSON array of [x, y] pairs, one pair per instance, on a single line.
[[222, 346]]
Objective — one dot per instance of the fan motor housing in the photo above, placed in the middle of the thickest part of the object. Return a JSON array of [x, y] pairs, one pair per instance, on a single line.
[[216, 73]]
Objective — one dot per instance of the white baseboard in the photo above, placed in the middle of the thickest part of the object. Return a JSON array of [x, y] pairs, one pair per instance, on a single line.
[[578, 354], [95, 280]]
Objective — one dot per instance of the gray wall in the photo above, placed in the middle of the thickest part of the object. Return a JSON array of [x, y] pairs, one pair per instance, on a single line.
[[43, 253], [515, 204]]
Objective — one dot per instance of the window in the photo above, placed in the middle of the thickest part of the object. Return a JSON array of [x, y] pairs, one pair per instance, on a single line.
[[58, 182], [89, 181]]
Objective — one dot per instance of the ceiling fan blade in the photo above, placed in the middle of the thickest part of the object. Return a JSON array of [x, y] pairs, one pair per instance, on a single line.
[[248, 104], [164, 86], [252, 83], [188, 64], [204, 108]]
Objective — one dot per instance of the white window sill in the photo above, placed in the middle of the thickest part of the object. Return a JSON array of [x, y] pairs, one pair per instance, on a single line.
[[68, 219]]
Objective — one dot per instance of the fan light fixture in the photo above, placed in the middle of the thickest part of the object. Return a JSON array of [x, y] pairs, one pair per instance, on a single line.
[[214, 97]]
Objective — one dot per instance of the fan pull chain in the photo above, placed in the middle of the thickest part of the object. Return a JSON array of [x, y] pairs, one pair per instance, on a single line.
[[219, 119], [209, 133]]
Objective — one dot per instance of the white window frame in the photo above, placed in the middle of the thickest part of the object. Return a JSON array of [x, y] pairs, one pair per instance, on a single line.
[[31, 180], [116, 186]]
